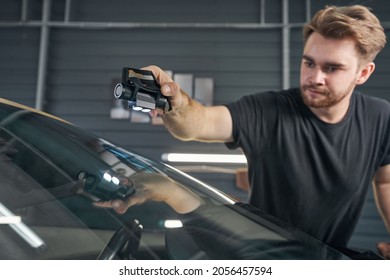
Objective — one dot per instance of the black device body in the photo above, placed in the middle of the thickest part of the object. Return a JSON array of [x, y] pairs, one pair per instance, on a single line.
[[141, 89], [103, 187]]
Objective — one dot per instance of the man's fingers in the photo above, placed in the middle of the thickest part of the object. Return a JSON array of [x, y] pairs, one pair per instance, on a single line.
[[173, 91], [119, 206], [103, 204], [384, 249], [161, 76], [168, 88]]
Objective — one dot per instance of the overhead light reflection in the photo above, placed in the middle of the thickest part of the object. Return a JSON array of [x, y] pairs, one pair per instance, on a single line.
[[22, 230], [112, 179], [107, 177], [205, 158], [173, 224], [137, 108], [10, 220], [115, 180]]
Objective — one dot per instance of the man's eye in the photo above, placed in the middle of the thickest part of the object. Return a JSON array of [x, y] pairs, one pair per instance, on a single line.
[[330, 69], [309, 64]]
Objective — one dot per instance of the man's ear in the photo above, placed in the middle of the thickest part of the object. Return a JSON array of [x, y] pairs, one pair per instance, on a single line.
[[365, 73]]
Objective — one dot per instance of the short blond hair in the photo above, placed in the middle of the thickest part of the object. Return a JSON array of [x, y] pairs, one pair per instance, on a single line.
[[356, 22]]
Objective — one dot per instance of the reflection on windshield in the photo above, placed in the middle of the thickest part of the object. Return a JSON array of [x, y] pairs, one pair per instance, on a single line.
[[53, 173], [20, 228]]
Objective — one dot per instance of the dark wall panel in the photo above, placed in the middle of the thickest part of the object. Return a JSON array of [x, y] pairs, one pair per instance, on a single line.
[[83, 62], [19, 50]]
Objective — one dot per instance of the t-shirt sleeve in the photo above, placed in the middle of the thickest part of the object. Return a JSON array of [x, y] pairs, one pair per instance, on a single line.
[[252, 117], [384, 111]]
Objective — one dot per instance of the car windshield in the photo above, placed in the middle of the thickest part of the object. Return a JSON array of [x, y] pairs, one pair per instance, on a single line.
[[53, 172]]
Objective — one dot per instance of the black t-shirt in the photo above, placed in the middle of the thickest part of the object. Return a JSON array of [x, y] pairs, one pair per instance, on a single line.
[[311, 174]]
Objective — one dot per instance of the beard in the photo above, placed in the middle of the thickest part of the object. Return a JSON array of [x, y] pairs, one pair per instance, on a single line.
[[330, 98]]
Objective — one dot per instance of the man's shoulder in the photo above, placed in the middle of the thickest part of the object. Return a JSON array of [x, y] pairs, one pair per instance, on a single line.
[[371, 98], [292, 93], [267, 99], [371, 102]]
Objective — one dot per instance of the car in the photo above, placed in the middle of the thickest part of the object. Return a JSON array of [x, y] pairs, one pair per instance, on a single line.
[[57, 177]]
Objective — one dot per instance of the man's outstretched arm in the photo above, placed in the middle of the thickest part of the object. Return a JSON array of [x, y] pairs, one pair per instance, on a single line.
[[382, 196], [188, 119]]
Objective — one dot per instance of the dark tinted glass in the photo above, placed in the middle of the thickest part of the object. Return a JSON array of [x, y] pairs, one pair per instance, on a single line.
[[52, 173]]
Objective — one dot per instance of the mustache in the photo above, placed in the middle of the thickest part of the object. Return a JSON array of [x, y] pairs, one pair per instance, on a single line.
[[315, 88]]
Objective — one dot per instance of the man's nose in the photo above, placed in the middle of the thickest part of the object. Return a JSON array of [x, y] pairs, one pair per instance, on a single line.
[[317, 76]]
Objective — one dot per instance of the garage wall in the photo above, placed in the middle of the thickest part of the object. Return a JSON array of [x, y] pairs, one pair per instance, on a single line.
[[83, 61]]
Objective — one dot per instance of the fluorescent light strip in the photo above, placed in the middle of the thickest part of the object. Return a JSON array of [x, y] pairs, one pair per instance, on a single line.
[[10, 220], [22, 230], [205, 158]]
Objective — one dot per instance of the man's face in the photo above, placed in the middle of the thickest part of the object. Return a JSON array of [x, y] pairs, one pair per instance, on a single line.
[[329, 71]]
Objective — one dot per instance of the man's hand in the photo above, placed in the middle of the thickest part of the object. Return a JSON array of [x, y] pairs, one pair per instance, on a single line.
[[148, 186], [156, 187], [168, 88], [189, 119], [384, 249]]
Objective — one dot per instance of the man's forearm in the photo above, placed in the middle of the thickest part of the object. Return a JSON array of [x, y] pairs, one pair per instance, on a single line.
[[382, 196], [382, 193], [187, 121]]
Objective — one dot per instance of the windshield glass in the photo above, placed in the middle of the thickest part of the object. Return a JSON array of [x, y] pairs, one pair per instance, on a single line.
[[53, 176]]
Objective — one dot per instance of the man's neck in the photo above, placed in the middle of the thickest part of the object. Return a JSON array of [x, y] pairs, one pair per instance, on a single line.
[[334, 114]]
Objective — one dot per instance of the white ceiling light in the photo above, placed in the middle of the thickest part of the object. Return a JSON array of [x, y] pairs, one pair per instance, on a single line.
[[204, 158]]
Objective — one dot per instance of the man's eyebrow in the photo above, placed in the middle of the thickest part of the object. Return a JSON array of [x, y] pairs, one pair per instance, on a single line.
[[333, 64], [307, 57]]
